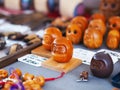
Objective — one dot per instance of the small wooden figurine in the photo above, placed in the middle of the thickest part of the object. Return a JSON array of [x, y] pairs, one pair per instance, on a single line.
[[74, 33], [110, 8]]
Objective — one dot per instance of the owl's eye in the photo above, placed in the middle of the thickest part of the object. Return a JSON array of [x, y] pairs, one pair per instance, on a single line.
[[113, 5], [75, 32], [105, 4], [114, 25]]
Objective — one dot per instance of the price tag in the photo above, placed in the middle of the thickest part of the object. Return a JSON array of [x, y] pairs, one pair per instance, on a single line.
[[84, 55], [32, 59], [114, 55]]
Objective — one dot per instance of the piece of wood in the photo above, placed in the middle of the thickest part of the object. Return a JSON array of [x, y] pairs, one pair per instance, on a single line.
[[41, 51], [62, 67], [7, 60], [25, 18]]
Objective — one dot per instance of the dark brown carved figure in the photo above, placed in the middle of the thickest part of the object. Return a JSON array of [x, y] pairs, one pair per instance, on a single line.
[[110, 7], [101, 65]]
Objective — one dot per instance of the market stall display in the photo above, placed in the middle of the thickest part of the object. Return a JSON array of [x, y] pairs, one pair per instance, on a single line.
[[73, 61]]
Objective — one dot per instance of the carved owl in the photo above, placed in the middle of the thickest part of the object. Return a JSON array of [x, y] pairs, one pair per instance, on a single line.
[[110, 8]]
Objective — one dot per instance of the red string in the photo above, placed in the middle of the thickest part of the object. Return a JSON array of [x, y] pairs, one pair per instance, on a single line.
[[54, 78]]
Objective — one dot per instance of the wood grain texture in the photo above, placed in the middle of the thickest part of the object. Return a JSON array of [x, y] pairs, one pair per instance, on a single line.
[[41, 51], [62, 67]]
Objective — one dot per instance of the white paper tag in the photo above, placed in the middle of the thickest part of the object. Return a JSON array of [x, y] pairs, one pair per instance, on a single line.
[[114, 55], [84, 55], [32, 59]]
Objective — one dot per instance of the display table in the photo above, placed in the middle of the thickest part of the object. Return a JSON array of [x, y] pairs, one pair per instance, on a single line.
[[68, 81]]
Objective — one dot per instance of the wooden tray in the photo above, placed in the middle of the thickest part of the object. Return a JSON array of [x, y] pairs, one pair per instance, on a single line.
[[62, 67], [7, 60]]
